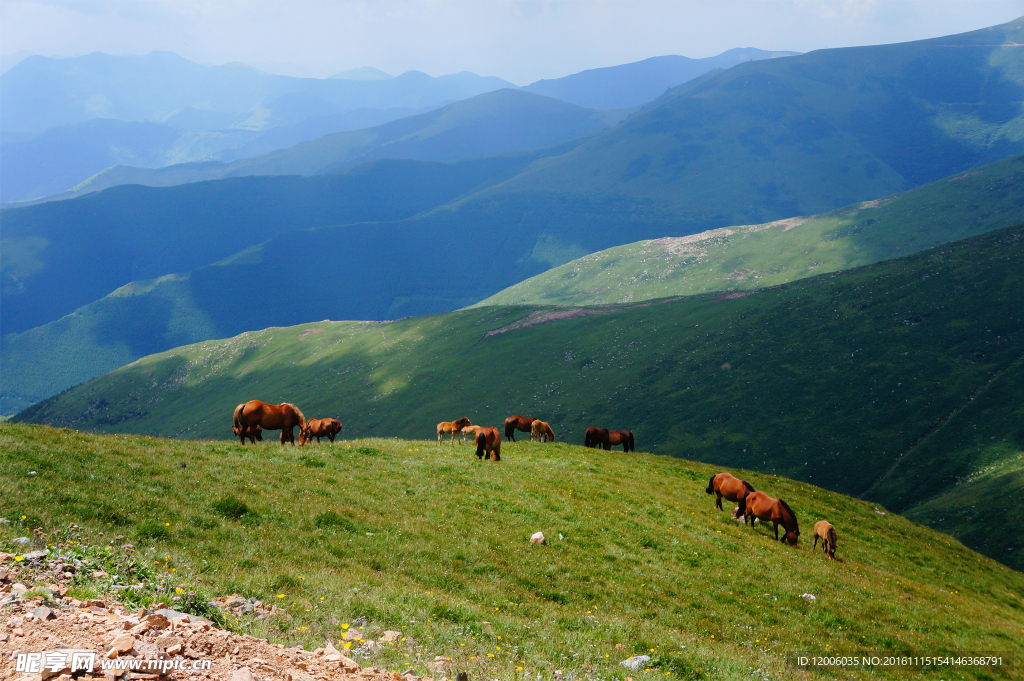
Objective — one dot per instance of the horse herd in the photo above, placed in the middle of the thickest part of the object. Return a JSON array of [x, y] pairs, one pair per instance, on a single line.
[[758, 506], [251, 418]]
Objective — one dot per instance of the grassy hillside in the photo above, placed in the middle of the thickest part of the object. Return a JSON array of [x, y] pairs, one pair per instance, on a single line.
[[838, 379], [628, 85], [101, 242], [754, 256], [427, 541], [151, 316], [493, 123]]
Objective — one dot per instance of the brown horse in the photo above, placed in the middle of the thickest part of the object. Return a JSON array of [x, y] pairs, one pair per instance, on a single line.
[[514, 423], [453, 427], [471, 431], [283, 417], [542, 431], [606, 438], [824, 529], [254, 433], [488, 440], [733, 489], [762, 507], [318, 428]]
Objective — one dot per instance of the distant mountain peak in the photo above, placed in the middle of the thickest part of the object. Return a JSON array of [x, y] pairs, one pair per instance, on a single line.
[[363, 73]]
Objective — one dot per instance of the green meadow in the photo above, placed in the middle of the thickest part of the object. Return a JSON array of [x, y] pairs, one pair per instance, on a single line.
[[897, 382], [747, 257], [426, 540]]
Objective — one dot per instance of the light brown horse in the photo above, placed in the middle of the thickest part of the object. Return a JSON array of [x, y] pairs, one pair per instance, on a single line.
[[254, 433], [733, 489], [824, 529], [470, 432], [488, 440], [514, 423], [542, 431], [453, 427], [606, 438], [283, 417], [762, 507], [318, 428]]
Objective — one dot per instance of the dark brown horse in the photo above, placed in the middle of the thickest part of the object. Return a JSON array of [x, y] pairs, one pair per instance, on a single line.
[[762, 507], [453, 427], [488, 440], [733, 489], [318, 428], [283, 417], [514, 423], [824, 529], [606, 438]]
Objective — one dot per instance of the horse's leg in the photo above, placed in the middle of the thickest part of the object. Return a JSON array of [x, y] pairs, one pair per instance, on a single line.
[[775, 524], [718, 500], [816, 543]]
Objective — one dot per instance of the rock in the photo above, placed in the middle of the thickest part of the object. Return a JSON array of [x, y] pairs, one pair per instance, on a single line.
[[391, 636], [19, 588], [558, 673], [243, 674], [36, 555], [111, 654], [353, 635], [175, 649], [8, 600], [809, 597], [234, 601], [122, 643], [156, 621], [94, 604], [538, 538], [99, 574], [360, 621], [168, 640], [636, 663], [4, 557], [44, 613]]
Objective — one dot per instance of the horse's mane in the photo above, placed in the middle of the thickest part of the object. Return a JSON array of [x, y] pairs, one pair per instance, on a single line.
[[237, 417], [302, 418], [786, 506], [832, 536], [751, 488]]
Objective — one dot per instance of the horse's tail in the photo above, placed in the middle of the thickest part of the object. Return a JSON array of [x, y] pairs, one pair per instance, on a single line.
[[237, 417], [632, 447], [586, 438], [481, 444], [743, 506], [510, 428], [298, 412]]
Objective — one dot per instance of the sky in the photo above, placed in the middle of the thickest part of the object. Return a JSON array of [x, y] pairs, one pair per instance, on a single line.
[[520, 41]]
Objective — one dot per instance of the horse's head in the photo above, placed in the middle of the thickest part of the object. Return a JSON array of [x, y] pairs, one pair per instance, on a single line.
[[305, 435], [792, 537]]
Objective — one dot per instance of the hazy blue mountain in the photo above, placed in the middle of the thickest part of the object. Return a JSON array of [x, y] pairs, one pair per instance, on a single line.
[[40, 93], [58, 159], [627, 85], [492, 123], [363, 73], [57, 256]]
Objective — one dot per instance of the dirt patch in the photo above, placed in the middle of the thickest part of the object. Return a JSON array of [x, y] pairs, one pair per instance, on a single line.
[[310, 332], [542, 316]]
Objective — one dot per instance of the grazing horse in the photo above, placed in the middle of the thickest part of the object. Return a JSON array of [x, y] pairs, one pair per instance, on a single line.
[[488, 440], [733, 489], [318, 428], [514, 423], [283, 417], [762, 507], [606, 438], [453, 427], [255, 433], [824, 529], [542, 431], [470, 432]]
